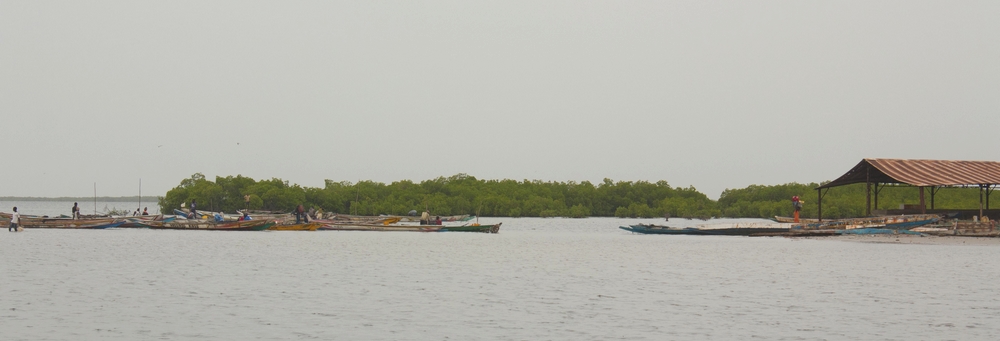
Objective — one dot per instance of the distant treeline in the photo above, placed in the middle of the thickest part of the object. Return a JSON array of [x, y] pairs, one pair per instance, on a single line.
[[464, 194], [80, 199]]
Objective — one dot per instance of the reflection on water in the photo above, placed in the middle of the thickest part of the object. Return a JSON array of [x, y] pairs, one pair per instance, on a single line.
[[538, 279]]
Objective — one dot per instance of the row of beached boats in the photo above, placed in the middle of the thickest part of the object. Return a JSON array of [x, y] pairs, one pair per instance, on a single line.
[[870, 225], [261, 222]]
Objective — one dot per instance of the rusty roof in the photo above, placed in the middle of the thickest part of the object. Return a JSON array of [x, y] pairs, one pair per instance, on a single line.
[[921, 173]]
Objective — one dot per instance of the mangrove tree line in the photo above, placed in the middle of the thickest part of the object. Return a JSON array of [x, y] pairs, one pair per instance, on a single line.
[[464, 194]]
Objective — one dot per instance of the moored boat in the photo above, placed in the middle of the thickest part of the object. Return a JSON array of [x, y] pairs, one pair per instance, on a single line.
[[739, 229], [208, 225], [885, 222], [781, 219], [295, 227], [494, 228], [374, 219], [138, 221], [379, 227], [33, 222]]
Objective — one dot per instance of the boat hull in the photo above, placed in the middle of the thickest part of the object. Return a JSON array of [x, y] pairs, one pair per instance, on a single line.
[[735, 230], [208, 225], [495, 228], [61, 223], [296, 227], [659, 229], [885, 222]]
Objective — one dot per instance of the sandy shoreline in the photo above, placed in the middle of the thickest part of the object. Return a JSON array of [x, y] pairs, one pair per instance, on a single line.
[[909, 239]]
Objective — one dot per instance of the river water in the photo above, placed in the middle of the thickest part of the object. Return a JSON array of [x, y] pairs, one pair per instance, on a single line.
[[538, 279]]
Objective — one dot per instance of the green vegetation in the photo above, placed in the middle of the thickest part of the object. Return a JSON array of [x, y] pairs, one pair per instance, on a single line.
[[463, 194], [458, 194], [757, 201]]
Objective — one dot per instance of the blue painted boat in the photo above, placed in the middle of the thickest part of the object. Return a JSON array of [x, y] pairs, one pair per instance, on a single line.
[[116, 223], [751, 229], [660, 229], [877, 231]]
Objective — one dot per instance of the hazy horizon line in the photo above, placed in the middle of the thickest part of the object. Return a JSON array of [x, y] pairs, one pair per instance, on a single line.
[[102, 198]]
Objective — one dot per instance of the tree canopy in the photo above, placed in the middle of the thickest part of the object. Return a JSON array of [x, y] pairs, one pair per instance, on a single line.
[[457, 194], [464, 194]]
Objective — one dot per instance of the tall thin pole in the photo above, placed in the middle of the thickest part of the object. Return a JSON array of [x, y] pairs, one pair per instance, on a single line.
[[95, 198], [868, 193], [980, 202], [140, 192], [923, 208]]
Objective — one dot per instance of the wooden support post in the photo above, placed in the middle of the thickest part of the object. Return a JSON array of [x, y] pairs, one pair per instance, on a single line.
[[934, 190], [980, 202], [876, 196], [989, 190], [868, 190], [868, 199], [923, 208]]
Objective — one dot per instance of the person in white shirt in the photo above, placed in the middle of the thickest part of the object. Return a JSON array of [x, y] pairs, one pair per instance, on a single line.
[[15, 219]]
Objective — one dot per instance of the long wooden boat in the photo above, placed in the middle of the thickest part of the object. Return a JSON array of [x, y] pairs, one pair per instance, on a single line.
[[781, 219], [747, 229], [209, 225], [660, 229], [373, 219], [296, 227], [57, 223], [885, 222], [33, 222], [379, 227], [138, 221], [495, 228]]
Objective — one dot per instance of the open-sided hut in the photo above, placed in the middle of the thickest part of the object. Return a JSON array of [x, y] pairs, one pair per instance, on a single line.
[[930, 174]]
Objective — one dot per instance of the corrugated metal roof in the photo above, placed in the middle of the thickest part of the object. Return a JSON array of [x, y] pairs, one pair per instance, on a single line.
[[921, 172]]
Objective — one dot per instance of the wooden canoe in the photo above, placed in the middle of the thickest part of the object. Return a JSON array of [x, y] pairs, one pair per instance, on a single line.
[[751, 229], [495, 228], [209, 225], [33, 222], [378, 227], [888, 222], [296, 227], [781, 219]]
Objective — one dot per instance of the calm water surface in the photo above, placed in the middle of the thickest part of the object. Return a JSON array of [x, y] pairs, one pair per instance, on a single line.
[[539, 279]]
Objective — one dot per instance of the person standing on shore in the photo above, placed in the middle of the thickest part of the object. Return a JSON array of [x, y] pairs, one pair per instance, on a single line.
[[15, 219], [797, 206], [76, 211], [300, 213], [194, 213]]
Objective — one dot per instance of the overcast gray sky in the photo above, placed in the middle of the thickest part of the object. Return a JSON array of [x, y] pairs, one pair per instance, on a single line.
[[713, 95]]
